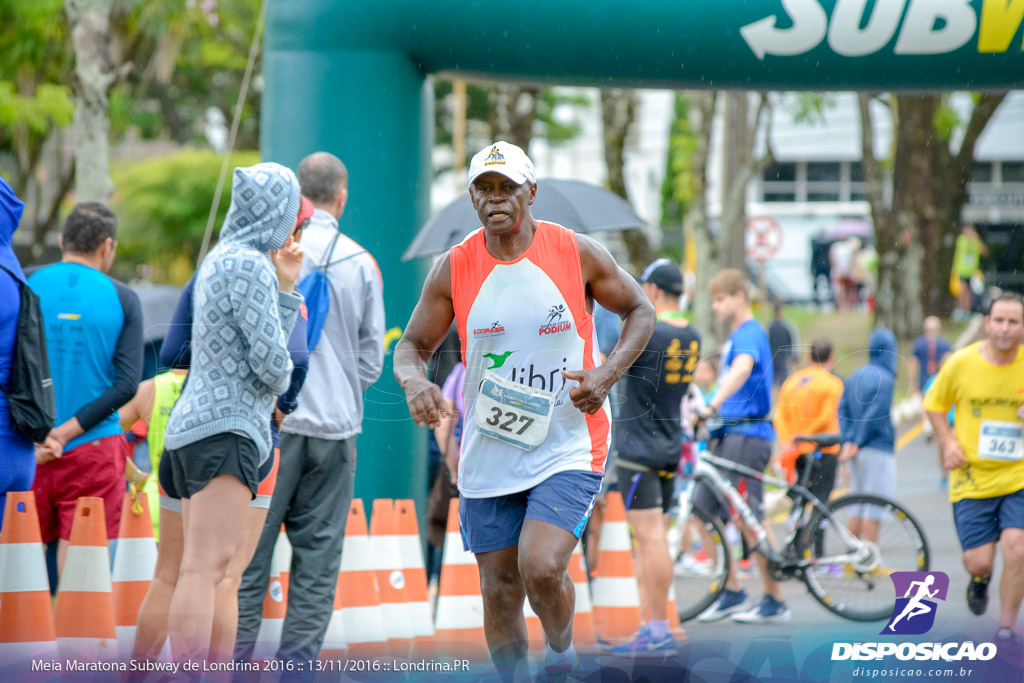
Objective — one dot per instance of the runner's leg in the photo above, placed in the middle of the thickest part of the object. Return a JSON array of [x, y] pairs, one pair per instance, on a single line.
[[503, 592]]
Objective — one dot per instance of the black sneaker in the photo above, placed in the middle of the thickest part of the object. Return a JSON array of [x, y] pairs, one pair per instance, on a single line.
[[977, 595]]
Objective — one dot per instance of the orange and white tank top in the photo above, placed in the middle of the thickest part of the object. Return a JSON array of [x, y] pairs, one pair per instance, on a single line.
[[526, 320]]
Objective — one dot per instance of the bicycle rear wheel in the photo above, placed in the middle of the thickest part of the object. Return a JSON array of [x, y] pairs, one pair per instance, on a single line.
[[860, 589], [700, 577]]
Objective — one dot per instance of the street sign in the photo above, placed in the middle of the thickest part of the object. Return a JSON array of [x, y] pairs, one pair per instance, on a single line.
[[764, 238]]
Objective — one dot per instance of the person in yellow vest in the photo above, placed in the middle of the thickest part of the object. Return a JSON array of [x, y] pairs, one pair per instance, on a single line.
[[152, 404], [966, 258]]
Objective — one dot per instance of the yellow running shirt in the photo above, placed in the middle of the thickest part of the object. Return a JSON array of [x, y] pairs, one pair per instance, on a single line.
[[987, 398]]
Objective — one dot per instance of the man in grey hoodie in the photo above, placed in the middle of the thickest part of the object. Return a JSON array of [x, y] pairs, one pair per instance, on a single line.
[[218, 433], [865, 422]]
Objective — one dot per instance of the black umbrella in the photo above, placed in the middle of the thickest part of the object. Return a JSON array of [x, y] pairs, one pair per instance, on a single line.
[[158, 303], [583, 207]]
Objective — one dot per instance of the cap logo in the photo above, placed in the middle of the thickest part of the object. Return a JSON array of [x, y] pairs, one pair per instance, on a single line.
[[495, 157]]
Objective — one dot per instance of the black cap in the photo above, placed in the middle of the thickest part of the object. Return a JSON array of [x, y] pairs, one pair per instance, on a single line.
[[665, 275]]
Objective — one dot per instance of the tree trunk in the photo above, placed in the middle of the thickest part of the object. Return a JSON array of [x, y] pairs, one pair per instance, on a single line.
[[618, 109], [702, 111], [95, 75], [915, 235], [513, 111], [736, 156]]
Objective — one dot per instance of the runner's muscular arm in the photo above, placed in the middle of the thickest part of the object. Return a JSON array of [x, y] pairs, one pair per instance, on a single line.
[[614, 289], [426, 330]]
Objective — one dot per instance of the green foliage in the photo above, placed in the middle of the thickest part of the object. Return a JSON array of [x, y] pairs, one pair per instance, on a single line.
[[812, 106], [946, 121], [163, 205], [50, 106], [553, 130], [677, 188]]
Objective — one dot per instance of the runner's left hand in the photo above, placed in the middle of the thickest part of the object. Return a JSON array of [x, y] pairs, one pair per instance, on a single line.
[[594, 385]]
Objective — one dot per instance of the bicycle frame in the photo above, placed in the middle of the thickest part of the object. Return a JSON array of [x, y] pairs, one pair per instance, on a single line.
[[707, 471]]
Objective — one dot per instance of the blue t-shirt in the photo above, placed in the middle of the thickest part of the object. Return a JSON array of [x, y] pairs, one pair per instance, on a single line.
[[928, 357], [754, 398], [94, 344]]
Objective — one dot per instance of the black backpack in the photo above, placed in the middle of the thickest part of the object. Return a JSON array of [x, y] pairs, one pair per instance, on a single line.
[[30, 394]]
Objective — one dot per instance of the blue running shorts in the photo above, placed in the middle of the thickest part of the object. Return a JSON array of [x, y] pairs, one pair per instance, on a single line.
[[565, 500]]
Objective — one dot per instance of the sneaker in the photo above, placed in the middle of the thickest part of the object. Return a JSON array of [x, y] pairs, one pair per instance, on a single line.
[[563, 673], [690, 566], [1004, 634], [729, 603], [977, 595], [768, 611], [645, 646]]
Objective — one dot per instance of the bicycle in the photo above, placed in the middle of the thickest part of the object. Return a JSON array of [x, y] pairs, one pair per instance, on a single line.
[[849, 576]]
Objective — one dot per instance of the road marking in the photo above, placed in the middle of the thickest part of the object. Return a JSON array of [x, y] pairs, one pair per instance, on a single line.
[[909, 436]]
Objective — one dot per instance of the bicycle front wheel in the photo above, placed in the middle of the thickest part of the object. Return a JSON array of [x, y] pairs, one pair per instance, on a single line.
[[702, 569], [852, 579]]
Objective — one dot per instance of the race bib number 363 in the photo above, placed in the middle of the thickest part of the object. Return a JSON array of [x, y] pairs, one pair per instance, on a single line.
[[1001, 440], [514, 413]]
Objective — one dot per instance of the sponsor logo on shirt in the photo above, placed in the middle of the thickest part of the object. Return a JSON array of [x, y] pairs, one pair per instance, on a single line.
[[554, 324], [494, 330]]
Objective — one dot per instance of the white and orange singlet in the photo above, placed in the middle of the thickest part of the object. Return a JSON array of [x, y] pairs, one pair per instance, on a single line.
[[525, 321]]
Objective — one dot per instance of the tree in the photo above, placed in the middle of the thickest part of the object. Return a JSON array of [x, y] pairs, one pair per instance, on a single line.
[[163, 204], [34, 107], [915, 232], [690, 146], [94, 76], [618, 110]]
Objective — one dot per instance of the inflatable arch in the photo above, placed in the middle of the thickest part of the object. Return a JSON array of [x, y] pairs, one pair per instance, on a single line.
[[348, 77]]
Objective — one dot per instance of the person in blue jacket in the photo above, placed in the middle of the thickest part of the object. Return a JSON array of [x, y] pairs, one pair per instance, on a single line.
[[18, 464], [868, 436]]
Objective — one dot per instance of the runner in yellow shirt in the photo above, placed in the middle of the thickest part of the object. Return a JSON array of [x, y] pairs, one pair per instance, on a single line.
[[985, 454]]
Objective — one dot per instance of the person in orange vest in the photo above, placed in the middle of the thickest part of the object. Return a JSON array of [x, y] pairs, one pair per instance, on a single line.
[[808, 403]]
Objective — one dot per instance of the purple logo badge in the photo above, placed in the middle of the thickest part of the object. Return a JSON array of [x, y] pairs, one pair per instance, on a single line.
[[916, 593]]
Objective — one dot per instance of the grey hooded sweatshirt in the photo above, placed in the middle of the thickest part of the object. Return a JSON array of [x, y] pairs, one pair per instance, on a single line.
[[242, 322]]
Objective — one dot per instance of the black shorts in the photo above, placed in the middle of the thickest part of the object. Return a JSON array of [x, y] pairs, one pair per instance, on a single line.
[[645, 490], [193, 466], [751, 452], [823, 475]]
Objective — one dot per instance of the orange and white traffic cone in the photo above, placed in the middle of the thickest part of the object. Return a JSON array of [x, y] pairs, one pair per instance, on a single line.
[[134, 564], [390, 578], [534, 629], [616, 593], [583, 619], [85, 625], [283, 557], [411, 553], [275, 606], [459, 625], [674, 624], [26, 618], [334, 644], [361, 613]]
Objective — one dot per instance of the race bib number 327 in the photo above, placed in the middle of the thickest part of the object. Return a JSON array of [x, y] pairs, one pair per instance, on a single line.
[[514, 413]]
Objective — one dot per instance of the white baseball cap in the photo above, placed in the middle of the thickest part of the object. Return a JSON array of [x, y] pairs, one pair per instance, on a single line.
[[504, 158]]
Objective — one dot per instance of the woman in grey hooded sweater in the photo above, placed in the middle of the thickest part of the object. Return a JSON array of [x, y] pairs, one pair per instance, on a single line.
[[218, 433]]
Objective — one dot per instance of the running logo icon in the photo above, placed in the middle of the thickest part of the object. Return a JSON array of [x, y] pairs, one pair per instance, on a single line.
[[916, 593]]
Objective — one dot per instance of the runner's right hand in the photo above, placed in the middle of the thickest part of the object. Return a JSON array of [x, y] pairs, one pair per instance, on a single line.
[[952, 455], [426, 403]]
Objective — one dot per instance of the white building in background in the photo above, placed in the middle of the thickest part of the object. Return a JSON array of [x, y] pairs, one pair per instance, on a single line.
[[816, 186]]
